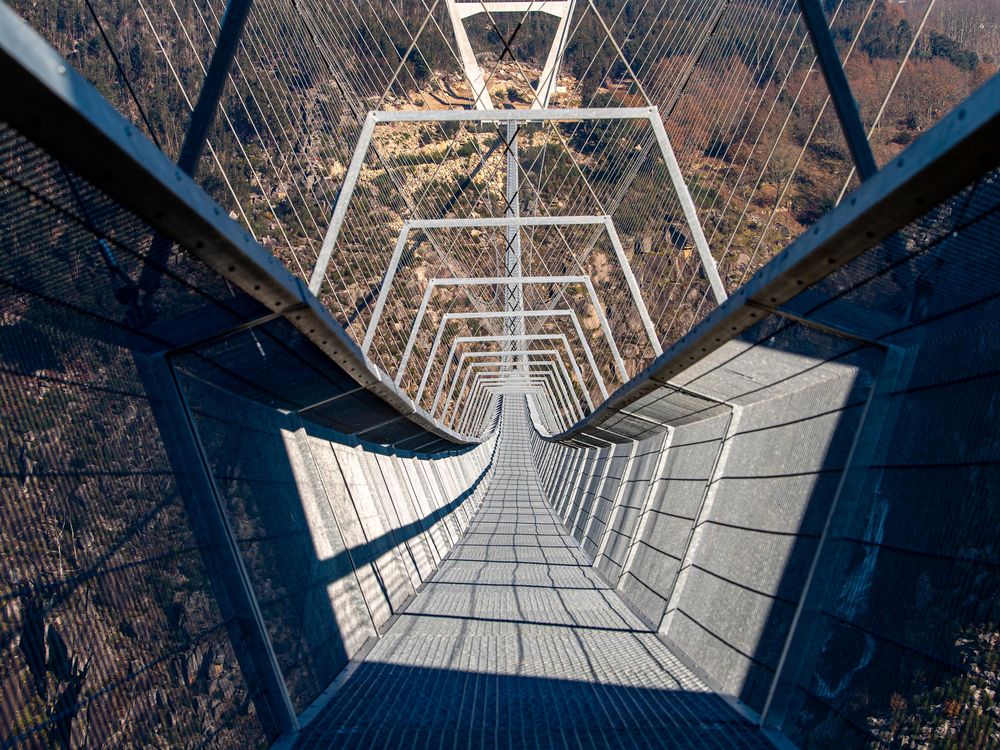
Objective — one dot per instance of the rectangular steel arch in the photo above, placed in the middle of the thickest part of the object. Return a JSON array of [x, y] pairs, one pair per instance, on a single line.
[[500, 339]]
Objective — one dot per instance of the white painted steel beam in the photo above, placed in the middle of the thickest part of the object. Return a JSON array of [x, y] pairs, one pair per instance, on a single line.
[[481, 379], [518, 115], [552, 363], [542, 382], [459, 11], [528, 352], [688, 207], [500, 367]]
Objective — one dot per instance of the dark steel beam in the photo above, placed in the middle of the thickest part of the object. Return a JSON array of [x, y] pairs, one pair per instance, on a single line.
[[215, 82], [196, 135], [840, 89]]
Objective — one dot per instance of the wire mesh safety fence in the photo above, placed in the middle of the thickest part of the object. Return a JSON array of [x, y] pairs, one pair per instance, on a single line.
[[169, 452], [851, 598], [905, 646], [818, 530], [112, 632], [736, 83]]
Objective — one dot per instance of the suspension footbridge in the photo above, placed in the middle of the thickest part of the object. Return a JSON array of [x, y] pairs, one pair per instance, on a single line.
[[498, 374]]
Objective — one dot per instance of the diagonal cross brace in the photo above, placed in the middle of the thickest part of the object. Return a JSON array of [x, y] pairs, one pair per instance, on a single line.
[[458, 12]]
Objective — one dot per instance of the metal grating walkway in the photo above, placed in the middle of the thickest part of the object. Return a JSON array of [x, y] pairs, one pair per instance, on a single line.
[[515, 643]]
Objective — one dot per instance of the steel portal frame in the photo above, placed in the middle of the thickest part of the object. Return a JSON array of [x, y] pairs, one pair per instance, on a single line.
[[486, 384], [479, 394], [548, 356], [458, 12], [550, 353], [490, 379], [542, 382], [481, 372], [650, 114], [474, 411], [534, 390], [499, 339], [565, 385]]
